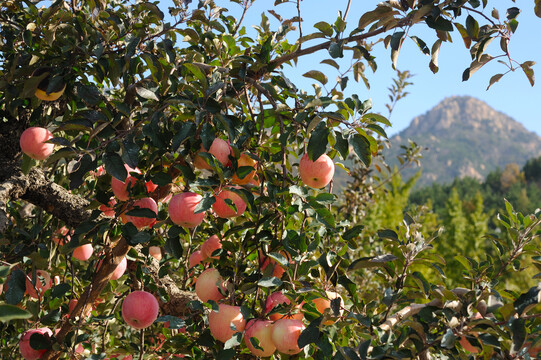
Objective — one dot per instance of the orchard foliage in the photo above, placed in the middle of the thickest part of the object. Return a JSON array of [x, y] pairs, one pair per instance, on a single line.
[[137, 98]]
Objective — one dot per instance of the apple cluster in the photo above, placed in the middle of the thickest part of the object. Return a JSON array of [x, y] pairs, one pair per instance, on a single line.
[[140, 308]]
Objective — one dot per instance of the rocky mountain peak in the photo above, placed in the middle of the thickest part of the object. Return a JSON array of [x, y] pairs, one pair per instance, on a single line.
[[466, 137]]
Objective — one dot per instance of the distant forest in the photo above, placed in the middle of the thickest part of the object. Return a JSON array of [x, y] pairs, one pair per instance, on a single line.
[[466, 209]]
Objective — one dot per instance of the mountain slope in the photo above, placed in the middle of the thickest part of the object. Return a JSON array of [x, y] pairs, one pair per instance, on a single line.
[[466, 137]]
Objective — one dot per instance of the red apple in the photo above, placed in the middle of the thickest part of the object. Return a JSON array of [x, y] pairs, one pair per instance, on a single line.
[[285, 333], [143, 222], [222, 209], [140, 309], [83, 252], [33, 143], [27, 352], [206, 286], [195, 258], [61, 236], [277, 298], [221, 322], [210, 245], [120, 269], [262, 331], [325, 303], [71, 306], [43, 283], [155, 252], [108, 210], [219, 148], [120, 188], [277, 270], [245, 160], [182, 208], [318, 173]]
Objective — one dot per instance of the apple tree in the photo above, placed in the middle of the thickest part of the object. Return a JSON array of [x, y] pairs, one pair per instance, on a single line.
[[166, 192]]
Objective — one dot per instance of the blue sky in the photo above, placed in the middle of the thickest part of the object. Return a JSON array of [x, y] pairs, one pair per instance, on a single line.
[[513, 95]]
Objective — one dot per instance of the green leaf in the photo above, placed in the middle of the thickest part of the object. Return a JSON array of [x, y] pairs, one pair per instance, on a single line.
[[494, 79], [528, 71], [40, 342], [205, 203], [362, 148], [472, 27], [317, 145], [518, 331], [434, 59], [316, 75], [324, 27], [326, 217], [439, 23], [173, 247], [114, 165], [188, 128], [233, 341], [60, 290], [268, 282], [528, 300], [12, 312], [89, 93], [197, 72], [336, 50], [142, 212], [512, 13], [145, 93], [309, 335], [377, 118], [448, 340], [174, 322], [353, 232], [331, 63], [371, 261], [421, 44], [16, 287], [139, 238]]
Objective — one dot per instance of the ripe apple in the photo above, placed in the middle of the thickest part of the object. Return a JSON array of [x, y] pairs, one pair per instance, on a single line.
[[219, 148], [120, 188], [108, 210], [220, 322], [143, 222], [27, 352], [325, 303], [71, 306], [182, 209], [206, 286], [222, 209], [155, 252], [318, 173], [43, 283], [262, 331], [33, 143], [245, 160], [140, 309], [285, 333], [41, 90], [210, 245], [277, 298], [195, 258], [277, 270], [120, 269], [83, 252], [61, 236]]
